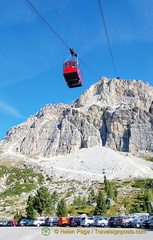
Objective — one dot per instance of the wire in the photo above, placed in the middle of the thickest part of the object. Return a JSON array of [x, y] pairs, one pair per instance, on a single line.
[[52, 29], [74, 36], [63, 21], [43, 19], [94, 73], [106, 32]]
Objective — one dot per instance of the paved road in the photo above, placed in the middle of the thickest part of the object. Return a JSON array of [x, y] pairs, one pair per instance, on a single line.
[[36, 233]]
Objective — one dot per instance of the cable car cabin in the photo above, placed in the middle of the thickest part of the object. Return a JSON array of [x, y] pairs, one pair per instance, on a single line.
[[72, 74]]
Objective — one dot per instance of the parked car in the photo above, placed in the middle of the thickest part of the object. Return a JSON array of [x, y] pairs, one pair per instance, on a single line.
[[139, 222], [22, 222], [87, 221], [51, 221], [29, 222], [63, 221], [149, 223], [3, 223], [101, 222], [36, 222], [10, 223], [74, 221], [151, 214], [144, 224], [112, 222], [124, 221]]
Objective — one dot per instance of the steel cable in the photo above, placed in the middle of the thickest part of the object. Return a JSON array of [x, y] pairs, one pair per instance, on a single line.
[[107, 36], [52, 29]]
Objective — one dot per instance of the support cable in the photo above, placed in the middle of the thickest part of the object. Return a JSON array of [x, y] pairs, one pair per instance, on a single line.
[[43, 19], [52, 29], [107, 36], [94, 73], [49, 1]]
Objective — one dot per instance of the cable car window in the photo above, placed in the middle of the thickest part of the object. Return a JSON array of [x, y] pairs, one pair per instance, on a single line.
[[70, 64], [65, 65], [73, 64]]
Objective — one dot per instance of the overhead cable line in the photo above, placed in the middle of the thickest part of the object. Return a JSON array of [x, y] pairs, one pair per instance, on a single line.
[[43, 19], [107, 36], [52, 29], [63, 20], [95, 74]]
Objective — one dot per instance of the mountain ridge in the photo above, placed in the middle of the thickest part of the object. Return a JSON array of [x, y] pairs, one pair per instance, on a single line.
[[115, 113]]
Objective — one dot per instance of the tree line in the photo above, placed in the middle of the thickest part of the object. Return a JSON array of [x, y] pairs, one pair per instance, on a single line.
[[45, 203]]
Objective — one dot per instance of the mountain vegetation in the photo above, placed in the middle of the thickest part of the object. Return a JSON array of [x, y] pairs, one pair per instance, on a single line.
[[107, 197]]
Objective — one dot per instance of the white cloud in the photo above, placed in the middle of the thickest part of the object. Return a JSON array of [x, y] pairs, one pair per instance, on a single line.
[[9, 110]]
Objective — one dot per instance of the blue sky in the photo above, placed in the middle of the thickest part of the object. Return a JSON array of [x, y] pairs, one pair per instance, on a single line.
[[31, 55]]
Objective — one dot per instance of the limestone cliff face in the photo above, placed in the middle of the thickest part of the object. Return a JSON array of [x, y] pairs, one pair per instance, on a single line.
[[113, 112]]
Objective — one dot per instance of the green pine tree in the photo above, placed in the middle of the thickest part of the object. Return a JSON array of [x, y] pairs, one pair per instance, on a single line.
[[148, 199], [42, 200], [115, 193], [17, 216], [101, 207], [144, 207], [30, 211], [125, 202], [105, 179], [149, 209], [54, 197], [61, 208], [91, 196], [148, 196], [110, 190]]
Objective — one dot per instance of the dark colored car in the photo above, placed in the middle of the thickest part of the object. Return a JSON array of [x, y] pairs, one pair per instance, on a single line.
[[22, 222], [35, 222], [74, 221], [149, 223], [139, 222], [10, 223], [51, 221], [124, 221], [112, 222], [144, 224]]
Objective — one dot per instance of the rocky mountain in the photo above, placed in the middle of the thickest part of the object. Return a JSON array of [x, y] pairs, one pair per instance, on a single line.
[[115, 113], [71, 147]]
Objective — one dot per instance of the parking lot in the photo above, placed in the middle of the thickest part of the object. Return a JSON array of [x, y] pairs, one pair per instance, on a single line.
[[69, 233]]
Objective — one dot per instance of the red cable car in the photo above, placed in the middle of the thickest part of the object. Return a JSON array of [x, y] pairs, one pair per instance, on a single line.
[[72, 72]]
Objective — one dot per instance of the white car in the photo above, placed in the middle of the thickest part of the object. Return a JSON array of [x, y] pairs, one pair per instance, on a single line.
[[87, 221]]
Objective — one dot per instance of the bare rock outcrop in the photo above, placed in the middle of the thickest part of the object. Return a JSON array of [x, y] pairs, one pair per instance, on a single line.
[[113, 112]]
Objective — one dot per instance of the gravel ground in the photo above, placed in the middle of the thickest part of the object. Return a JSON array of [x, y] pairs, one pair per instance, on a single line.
[[91, 164], [87, 164], [56, 233]]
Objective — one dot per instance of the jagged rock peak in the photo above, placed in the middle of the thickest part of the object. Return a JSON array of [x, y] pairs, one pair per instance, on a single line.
[[115, 92], [113, 112]]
